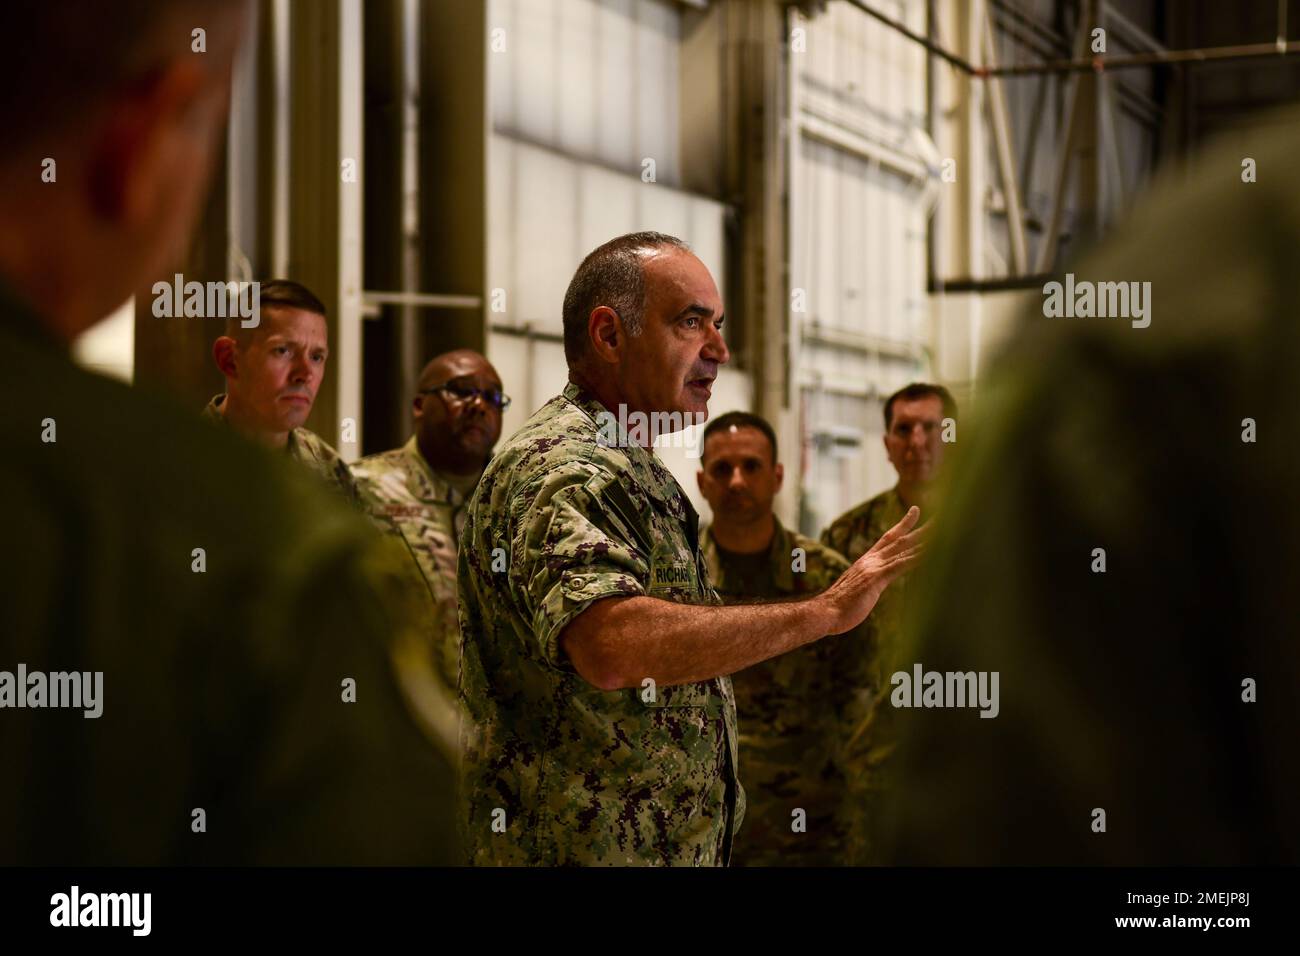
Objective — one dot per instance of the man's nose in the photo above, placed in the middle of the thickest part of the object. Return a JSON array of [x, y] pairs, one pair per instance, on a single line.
[[737, 479], [479, 401], [715, 347], [302, 369]]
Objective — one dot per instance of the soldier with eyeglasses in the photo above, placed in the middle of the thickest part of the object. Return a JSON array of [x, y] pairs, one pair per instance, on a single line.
[[419, 491]]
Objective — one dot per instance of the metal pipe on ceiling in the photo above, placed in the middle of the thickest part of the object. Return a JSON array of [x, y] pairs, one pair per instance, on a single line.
[[1280, 47]]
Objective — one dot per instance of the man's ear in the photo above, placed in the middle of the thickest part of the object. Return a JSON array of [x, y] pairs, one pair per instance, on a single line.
[[417, 406], [225, 352], [699, 480], [779, 471], [606, 334]]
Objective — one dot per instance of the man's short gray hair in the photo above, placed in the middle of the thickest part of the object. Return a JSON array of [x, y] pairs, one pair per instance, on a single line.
[[612, 275]]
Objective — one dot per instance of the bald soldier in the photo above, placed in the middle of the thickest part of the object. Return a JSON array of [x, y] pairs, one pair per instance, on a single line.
[[273, 370], [420, 489], [603, 726], [788, 707]]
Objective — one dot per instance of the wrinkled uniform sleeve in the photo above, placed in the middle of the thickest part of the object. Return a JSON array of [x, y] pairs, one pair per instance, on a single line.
[[573, 544]]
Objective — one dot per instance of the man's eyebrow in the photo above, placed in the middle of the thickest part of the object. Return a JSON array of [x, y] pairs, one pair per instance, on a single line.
[[279, 338], [695, 307]]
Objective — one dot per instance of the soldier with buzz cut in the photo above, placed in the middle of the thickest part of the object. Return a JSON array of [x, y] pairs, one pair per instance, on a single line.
[[272, 371], [602, 723], [419, 491], [789, 707]]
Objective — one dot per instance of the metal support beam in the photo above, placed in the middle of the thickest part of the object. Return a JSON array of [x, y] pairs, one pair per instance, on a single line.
[[1219, 54], [1006, 157], [1080, 118]]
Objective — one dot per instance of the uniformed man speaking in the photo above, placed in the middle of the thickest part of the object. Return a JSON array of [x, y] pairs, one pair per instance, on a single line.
[[595, 651]]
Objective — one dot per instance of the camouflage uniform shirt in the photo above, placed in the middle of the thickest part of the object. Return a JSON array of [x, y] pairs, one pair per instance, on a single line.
[[310, 449], [557, 771], [789, 709], [869, 738], [406, 496]]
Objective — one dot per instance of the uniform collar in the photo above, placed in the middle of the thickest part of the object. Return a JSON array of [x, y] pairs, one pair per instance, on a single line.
[[212, 413], [427, 484], [778, 556], [645, 466]]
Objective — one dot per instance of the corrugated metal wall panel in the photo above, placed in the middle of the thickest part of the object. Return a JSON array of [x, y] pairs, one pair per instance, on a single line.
[[548, 210], [857, 246], [596, 79], [584, 91]]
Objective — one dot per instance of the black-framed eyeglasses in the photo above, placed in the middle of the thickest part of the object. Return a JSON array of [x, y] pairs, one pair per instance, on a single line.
[[467, 393]]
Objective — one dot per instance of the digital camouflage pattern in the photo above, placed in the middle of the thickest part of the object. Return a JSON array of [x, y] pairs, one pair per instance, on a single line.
[[791, 713], [310, 449], [407, 497], [557, 771], [870, 741]]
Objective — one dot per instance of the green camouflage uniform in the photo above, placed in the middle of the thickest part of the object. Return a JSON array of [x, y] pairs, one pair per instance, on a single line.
[[1122, 690], [403, 493], [584, 776], [310, 449], [869, 740], [790, 710], [222, 682]]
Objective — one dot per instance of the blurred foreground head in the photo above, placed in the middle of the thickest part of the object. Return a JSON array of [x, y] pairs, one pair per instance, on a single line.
[[1119, 545], [112, 116]]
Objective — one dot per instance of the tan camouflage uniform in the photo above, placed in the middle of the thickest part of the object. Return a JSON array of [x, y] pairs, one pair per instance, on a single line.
[[308, 448], [560, 772], [405, 495], [790, 709]]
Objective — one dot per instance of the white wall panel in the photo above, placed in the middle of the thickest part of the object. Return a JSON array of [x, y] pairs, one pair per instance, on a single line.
[[613, 47], [596, 79], [547, 211], [857, 246]]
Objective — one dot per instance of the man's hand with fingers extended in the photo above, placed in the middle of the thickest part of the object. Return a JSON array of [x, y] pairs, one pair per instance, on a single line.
[[618, 642], [851, 598]]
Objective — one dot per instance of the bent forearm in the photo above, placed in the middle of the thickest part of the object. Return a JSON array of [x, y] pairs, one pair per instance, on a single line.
[[619, 642]]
